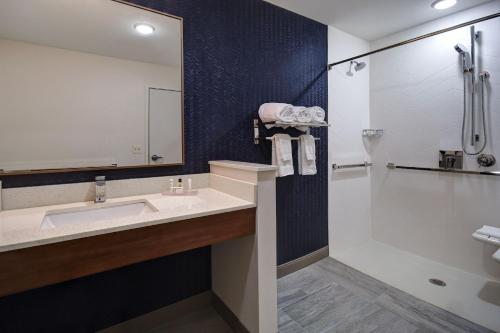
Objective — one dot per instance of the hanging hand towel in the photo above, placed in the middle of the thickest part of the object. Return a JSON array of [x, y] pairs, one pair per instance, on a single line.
[[318, 114], [270, 112], [282, 155], [307, 155]]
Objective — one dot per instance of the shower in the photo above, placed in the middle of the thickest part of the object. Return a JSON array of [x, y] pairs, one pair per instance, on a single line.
[[469, 71], [357, 67]]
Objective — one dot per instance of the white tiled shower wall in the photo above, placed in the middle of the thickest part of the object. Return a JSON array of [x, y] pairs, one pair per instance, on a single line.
[[348, 98], [414, 93]]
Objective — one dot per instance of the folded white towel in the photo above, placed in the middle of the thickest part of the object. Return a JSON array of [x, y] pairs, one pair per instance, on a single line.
[[303, 114], [489, 231], [318, 114], [307, 155], [269, 112], [282, 155]]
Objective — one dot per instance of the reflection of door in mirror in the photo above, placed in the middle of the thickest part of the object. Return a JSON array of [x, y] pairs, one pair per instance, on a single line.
[[164, 129], [74, 98]]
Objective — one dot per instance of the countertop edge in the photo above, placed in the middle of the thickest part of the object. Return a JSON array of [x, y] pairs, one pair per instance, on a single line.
[[90, 233]]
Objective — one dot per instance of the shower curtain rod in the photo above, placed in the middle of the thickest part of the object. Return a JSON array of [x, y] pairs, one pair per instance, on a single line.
[[437, 32]]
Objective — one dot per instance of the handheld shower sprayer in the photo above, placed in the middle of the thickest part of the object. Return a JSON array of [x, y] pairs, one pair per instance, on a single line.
[[461, 49], [469, 98], [464, 52]]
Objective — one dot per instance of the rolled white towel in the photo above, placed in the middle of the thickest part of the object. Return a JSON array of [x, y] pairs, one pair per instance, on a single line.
[[304, 115], [489, 231], [269, 112], [318, 114]]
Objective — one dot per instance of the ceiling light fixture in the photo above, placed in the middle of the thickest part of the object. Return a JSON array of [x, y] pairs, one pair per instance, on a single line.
[[144, 29], [443, 4]]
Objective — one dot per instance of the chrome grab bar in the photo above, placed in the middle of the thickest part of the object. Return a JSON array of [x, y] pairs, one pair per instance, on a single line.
[[365, 164], [467, 172]]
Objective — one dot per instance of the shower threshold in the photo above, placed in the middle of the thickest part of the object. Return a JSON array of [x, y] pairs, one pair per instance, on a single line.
[[467, 295]]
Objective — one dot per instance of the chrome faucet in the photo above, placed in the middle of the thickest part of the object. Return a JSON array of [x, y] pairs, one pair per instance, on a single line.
[[100, 189]]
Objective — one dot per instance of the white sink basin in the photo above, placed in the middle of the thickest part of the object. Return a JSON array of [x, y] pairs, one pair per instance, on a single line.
[[98, 212]]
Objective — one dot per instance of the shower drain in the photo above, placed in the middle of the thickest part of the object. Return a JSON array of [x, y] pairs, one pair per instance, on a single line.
[[438, 282]]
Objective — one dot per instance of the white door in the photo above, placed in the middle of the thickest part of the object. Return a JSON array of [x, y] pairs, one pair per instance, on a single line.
[[165, 144]]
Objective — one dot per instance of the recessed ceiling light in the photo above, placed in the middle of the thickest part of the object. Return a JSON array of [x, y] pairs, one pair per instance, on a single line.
[[443, 4], [143, 28]]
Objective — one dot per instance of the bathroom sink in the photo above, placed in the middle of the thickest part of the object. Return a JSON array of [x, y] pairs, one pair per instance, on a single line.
[[98, 212]]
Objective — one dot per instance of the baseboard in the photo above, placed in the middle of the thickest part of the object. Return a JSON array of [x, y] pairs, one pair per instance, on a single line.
[[228, 315], [168, 313], [302, 262]]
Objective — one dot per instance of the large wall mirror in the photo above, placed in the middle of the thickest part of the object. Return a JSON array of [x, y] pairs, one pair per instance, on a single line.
[[89, 83]]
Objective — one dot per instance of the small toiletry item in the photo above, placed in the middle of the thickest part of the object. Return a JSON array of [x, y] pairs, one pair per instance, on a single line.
[[100, 189], [171, 181], [180, 186], [190, 184]]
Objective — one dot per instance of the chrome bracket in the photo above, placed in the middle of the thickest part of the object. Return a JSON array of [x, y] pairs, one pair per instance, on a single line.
[[256, 134]]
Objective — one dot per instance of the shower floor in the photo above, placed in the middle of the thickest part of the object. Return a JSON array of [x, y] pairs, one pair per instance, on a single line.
[[467, 295]]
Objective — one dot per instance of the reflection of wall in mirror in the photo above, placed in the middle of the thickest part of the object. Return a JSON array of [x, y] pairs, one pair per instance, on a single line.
[[93, 112]]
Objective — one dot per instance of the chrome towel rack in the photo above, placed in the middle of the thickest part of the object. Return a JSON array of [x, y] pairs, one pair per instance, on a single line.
[[467, 172], [365, 164], [306, 128]]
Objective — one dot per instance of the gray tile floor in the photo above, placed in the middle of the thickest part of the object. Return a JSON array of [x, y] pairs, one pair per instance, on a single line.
[[331, 297]]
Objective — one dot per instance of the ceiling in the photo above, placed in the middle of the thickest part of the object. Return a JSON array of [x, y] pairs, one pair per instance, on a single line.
[[372, 19], [94, 26]]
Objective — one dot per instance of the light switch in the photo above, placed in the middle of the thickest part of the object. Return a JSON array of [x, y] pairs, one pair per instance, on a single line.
[[136, 149]]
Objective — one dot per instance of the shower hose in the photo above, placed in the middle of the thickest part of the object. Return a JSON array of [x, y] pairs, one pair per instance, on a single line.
[[483, 115]]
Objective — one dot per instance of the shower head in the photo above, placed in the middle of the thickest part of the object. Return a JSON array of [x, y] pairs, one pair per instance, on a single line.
[[357, 67], [461, 49]]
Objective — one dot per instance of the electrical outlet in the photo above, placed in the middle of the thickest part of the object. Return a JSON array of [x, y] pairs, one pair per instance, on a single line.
[[136, 149]]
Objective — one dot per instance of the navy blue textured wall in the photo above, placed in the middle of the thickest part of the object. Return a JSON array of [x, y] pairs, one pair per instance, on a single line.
[[239, 54], [102, 300]]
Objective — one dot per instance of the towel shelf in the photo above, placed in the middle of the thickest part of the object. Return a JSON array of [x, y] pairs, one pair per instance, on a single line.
[[296, 124], [365, 164], [256, 131], [293, 139], [467, 172]]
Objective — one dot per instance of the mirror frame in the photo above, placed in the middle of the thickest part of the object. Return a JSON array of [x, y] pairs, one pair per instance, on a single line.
[[142, 166]]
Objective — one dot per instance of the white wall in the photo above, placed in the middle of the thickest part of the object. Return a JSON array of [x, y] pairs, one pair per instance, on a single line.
[[442, 23], [62, 108], [348, 105], [416, 96]]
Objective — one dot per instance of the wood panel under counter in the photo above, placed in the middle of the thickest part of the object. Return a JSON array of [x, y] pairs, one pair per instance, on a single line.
[[43, 265]]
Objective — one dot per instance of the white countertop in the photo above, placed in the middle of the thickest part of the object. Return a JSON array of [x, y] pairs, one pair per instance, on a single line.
[[20, 228]]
